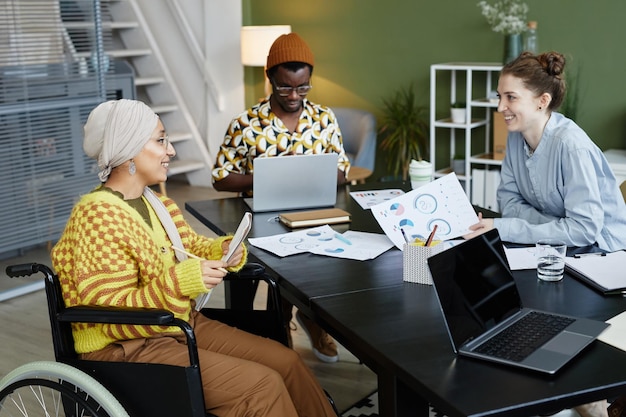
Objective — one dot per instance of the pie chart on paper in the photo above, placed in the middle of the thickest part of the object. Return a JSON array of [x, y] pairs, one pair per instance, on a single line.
[[397, 209], [406, 223], [334, 250]]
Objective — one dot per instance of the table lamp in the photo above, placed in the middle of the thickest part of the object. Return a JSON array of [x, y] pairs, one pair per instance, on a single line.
[[255, 45]]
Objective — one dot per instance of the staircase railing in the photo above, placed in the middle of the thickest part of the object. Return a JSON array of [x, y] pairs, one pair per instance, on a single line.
[[199, 57], [170, 80]]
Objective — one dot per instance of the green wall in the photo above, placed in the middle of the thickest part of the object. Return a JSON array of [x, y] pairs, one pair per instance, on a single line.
[[365, 50]]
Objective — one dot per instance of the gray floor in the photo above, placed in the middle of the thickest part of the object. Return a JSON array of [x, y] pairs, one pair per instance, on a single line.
[[26, 332]]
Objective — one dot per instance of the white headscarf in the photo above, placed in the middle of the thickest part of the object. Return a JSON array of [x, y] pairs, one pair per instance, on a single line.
[[116, 131]]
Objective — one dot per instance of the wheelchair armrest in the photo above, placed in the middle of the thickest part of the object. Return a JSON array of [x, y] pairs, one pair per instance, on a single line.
[[128, 315], [251, 270], [117, 315]]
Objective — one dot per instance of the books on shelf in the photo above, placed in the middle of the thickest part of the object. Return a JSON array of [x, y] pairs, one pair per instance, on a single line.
[[314, 217]]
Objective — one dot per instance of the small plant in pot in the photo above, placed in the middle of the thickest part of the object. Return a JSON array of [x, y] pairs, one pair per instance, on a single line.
[[457, 112], [458, 164], [404, 131]]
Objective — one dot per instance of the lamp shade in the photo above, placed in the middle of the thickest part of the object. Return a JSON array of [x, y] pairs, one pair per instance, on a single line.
[[256, 42]]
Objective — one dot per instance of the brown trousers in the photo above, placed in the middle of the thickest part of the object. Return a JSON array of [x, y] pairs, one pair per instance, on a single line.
[[242, 374]]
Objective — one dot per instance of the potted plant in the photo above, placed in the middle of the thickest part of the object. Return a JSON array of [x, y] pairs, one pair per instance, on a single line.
[[404, 131], [458, 164], [569, 107], [457, 112]]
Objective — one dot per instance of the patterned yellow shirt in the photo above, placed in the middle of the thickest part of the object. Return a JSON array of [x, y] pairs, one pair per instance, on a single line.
[[109, 256], [259, 132]]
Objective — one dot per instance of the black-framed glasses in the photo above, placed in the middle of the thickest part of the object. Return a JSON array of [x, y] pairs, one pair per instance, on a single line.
[[302, 90]]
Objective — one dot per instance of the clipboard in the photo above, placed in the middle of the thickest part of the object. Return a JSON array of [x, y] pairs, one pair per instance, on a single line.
[[601, 272]]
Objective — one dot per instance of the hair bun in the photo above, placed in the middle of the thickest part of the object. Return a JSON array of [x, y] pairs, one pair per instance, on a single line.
[[553, 63]]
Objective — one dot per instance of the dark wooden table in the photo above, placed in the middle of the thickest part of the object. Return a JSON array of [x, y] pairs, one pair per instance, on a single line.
[[397, 330], [309, 276]]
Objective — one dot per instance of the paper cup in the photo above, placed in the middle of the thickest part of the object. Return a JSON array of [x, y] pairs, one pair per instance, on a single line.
[[420, 172]]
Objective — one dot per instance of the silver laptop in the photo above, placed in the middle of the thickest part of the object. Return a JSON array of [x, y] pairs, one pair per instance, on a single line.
[[481, 306], [294, 182]]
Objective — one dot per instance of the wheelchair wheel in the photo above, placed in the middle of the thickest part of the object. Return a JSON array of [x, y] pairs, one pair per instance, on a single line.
[[55, 389]]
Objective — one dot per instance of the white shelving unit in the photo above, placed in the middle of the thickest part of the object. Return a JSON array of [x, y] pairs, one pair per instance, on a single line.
[[461, 79]]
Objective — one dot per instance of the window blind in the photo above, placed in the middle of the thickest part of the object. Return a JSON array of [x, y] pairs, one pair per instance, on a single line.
[[53, 72]]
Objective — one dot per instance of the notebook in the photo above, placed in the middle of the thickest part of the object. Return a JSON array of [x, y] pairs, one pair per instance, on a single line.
[[294, 182], [318, 217], [480, 303]]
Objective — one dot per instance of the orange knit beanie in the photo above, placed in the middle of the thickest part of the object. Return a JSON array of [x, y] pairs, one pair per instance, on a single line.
[[289, 48]]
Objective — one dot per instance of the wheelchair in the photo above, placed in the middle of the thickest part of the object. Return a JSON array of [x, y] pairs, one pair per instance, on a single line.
[[75, 387]]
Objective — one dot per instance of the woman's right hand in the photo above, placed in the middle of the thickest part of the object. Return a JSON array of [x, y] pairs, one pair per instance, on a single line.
[[213, 273], [483, 226]]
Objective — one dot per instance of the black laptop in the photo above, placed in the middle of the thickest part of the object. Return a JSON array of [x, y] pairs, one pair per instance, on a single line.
[[484, 315]]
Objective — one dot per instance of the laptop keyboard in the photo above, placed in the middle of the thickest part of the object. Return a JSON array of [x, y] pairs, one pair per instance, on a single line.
[[524, 337]]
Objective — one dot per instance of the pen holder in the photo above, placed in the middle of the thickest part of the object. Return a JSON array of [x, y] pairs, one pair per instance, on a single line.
[[414, 265]]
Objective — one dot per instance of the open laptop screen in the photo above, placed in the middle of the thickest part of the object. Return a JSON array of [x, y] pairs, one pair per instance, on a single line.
[[475, 286], [294, 182]]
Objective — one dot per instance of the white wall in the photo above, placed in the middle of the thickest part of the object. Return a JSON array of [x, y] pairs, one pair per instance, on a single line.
[[215, 25]]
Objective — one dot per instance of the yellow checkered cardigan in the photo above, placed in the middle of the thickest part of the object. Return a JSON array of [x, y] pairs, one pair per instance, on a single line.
[[109, 256]]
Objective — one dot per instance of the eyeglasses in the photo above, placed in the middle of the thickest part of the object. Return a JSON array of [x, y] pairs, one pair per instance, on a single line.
[[302, 90], [164, 141]]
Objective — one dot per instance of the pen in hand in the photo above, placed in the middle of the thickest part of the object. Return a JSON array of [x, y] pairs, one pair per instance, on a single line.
[[191, 255]]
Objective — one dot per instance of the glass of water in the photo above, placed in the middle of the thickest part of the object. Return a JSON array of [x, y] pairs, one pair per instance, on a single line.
[[550, 259]]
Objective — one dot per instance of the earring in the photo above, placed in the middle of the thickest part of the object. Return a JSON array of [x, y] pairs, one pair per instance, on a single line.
[[539, 107], [132, 168]]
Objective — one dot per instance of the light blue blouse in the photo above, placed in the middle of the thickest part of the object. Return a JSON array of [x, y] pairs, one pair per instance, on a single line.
[[564, 190]]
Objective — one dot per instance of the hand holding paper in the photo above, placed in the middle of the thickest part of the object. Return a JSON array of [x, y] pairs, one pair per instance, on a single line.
[[442, 203], [240, 234]]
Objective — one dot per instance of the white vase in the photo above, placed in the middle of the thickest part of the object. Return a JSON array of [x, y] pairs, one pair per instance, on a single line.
[[458, 115], [458, 166]]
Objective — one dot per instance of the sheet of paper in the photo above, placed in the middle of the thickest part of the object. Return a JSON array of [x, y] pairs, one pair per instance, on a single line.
[[354, 245], [615, 334], [291, 243], [323, 240], [442, 202], [602, 269], [367, 199], [240, 235], [521, 258]]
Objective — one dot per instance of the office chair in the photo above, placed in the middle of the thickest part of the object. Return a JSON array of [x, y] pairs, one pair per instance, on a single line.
[[148, 389], [358, 128]]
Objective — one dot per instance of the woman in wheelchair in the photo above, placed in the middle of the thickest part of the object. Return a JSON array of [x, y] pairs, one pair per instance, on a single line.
[[116, 250]]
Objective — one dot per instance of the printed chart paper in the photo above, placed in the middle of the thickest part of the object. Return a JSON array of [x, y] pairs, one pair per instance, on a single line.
[[442, 202], [369, 198], [323, 240]]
